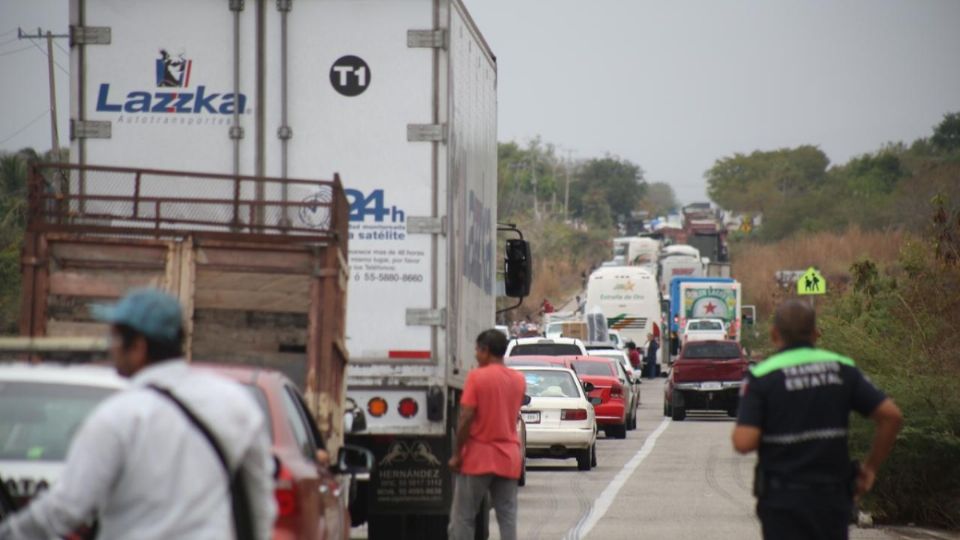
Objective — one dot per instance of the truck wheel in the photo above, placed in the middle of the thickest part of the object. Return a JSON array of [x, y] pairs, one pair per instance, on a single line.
[[679, 414], [666, 409], [583, 459], [593, 455]]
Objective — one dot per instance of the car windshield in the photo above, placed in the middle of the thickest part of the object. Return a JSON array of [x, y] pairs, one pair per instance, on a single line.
[[712, 351], [38, 420], [706, 325], [546, 349], [594, 368], [547, 384]]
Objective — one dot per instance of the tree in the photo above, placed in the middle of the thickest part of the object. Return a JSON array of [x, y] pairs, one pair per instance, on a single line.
[[616, 182], [946, 136], [763, 181], [660, 199]]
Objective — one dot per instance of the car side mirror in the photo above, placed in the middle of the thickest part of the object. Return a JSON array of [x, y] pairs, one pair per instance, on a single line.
[[353, 460], [526, 399], [588, 387], [518, 269], [354, 421], [595, 401]]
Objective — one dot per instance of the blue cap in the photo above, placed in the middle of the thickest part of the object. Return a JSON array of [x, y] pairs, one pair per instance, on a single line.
[[152, 312]]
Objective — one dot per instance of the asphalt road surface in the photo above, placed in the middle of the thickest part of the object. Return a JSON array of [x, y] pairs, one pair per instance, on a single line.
[[667, 480]]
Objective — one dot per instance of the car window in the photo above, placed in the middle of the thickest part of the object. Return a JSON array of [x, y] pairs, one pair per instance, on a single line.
[[314, 431], [594, 368], [711, 351], [546, 349], [706, 325], [558, 384], [300, 430], [38, 420], [261, 400]]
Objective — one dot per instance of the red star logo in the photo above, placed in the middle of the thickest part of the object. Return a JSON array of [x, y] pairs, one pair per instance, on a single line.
[[710, 308]]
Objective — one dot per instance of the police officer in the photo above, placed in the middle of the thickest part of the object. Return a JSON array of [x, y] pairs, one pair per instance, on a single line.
[[794, 410]]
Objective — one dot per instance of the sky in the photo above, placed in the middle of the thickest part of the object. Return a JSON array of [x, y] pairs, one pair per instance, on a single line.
[[670, 85]]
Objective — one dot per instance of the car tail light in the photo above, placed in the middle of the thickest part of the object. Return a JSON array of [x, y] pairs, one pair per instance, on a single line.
[[408, 407], [377, 407], [573, 414], [285, 493], [616, 391]]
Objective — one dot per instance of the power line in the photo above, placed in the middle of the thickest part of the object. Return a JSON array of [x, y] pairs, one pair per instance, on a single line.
[[39, 48], [10, 31], [14, 51], [59, 46], [11, 40], [30, 123]]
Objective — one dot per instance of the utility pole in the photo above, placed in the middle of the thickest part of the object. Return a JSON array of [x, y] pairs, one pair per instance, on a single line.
[[51, 79], [536, 203], [566, 192]]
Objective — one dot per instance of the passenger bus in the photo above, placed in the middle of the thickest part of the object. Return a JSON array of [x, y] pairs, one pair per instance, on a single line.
[[628, 297]]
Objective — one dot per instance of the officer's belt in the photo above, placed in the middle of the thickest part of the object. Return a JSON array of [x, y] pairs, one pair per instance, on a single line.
[[779, 485]]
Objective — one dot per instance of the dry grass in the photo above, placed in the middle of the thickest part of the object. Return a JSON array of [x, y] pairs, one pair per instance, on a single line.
[[755, 264]]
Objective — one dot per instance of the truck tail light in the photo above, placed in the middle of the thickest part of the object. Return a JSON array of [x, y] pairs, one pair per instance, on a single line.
[[616, 391], [573, 414], [285, 493], [408, 407], [377, 407]]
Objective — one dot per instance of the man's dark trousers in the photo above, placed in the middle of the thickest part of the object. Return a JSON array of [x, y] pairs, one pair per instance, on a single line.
[[805, 515]]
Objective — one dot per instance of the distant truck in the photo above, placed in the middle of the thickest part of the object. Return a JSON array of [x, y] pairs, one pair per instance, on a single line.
[[678, 260], [704, 298], [401, 99], [637, 251]]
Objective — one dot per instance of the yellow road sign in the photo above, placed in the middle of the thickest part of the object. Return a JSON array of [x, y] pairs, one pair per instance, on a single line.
[[811, 282]]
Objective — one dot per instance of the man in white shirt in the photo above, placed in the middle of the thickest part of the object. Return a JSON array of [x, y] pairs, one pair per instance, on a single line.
[[138, 465]]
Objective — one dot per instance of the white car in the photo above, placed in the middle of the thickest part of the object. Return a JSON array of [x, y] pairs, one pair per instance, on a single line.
[[704, 330], [617, 339], [553, 330], [41, 407], [560, 419], [537, 346], [630, 378]]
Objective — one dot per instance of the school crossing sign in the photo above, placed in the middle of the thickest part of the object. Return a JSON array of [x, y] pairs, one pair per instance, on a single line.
[[811, 282]]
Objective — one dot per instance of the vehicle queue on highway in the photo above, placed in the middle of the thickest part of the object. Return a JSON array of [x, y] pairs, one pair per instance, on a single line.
[[652, 289]]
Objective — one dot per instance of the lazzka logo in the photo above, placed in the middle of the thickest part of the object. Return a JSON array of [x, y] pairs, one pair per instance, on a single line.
[[415, 451], [172, 72]]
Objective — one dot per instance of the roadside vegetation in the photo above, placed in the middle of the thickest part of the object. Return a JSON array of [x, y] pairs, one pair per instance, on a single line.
[[884, 229], [568, 210]]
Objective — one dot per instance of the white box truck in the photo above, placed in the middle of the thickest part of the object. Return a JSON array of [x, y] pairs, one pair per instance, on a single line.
[[397, 96]]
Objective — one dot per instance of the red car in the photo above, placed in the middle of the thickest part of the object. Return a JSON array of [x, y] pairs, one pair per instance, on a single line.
[[706, 376], [309, 501], [601, 372]]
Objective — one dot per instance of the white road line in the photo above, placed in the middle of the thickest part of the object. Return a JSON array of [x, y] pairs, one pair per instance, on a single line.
[[603, 502]]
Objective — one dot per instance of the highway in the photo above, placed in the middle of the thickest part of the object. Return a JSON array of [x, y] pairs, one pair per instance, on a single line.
[[676, 480]]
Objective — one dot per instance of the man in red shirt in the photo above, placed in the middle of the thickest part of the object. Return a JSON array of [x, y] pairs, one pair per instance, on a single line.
[[487, 457]]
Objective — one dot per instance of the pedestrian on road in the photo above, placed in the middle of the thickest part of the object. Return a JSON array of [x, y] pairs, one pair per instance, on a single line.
[[634, 355], [651, 356], [140, 466], [487, 455], [795, 411]]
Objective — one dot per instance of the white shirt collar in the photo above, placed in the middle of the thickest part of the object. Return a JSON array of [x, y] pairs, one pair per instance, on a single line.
[[160, 372]]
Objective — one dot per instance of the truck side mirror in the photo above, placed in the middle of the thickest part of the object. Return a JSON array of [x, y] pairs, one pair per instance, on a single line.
[[518, 271]]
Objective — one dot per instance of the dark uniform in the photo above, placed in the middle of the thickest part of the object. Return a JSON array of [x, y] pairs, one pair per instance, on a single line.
[[801, 400]]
